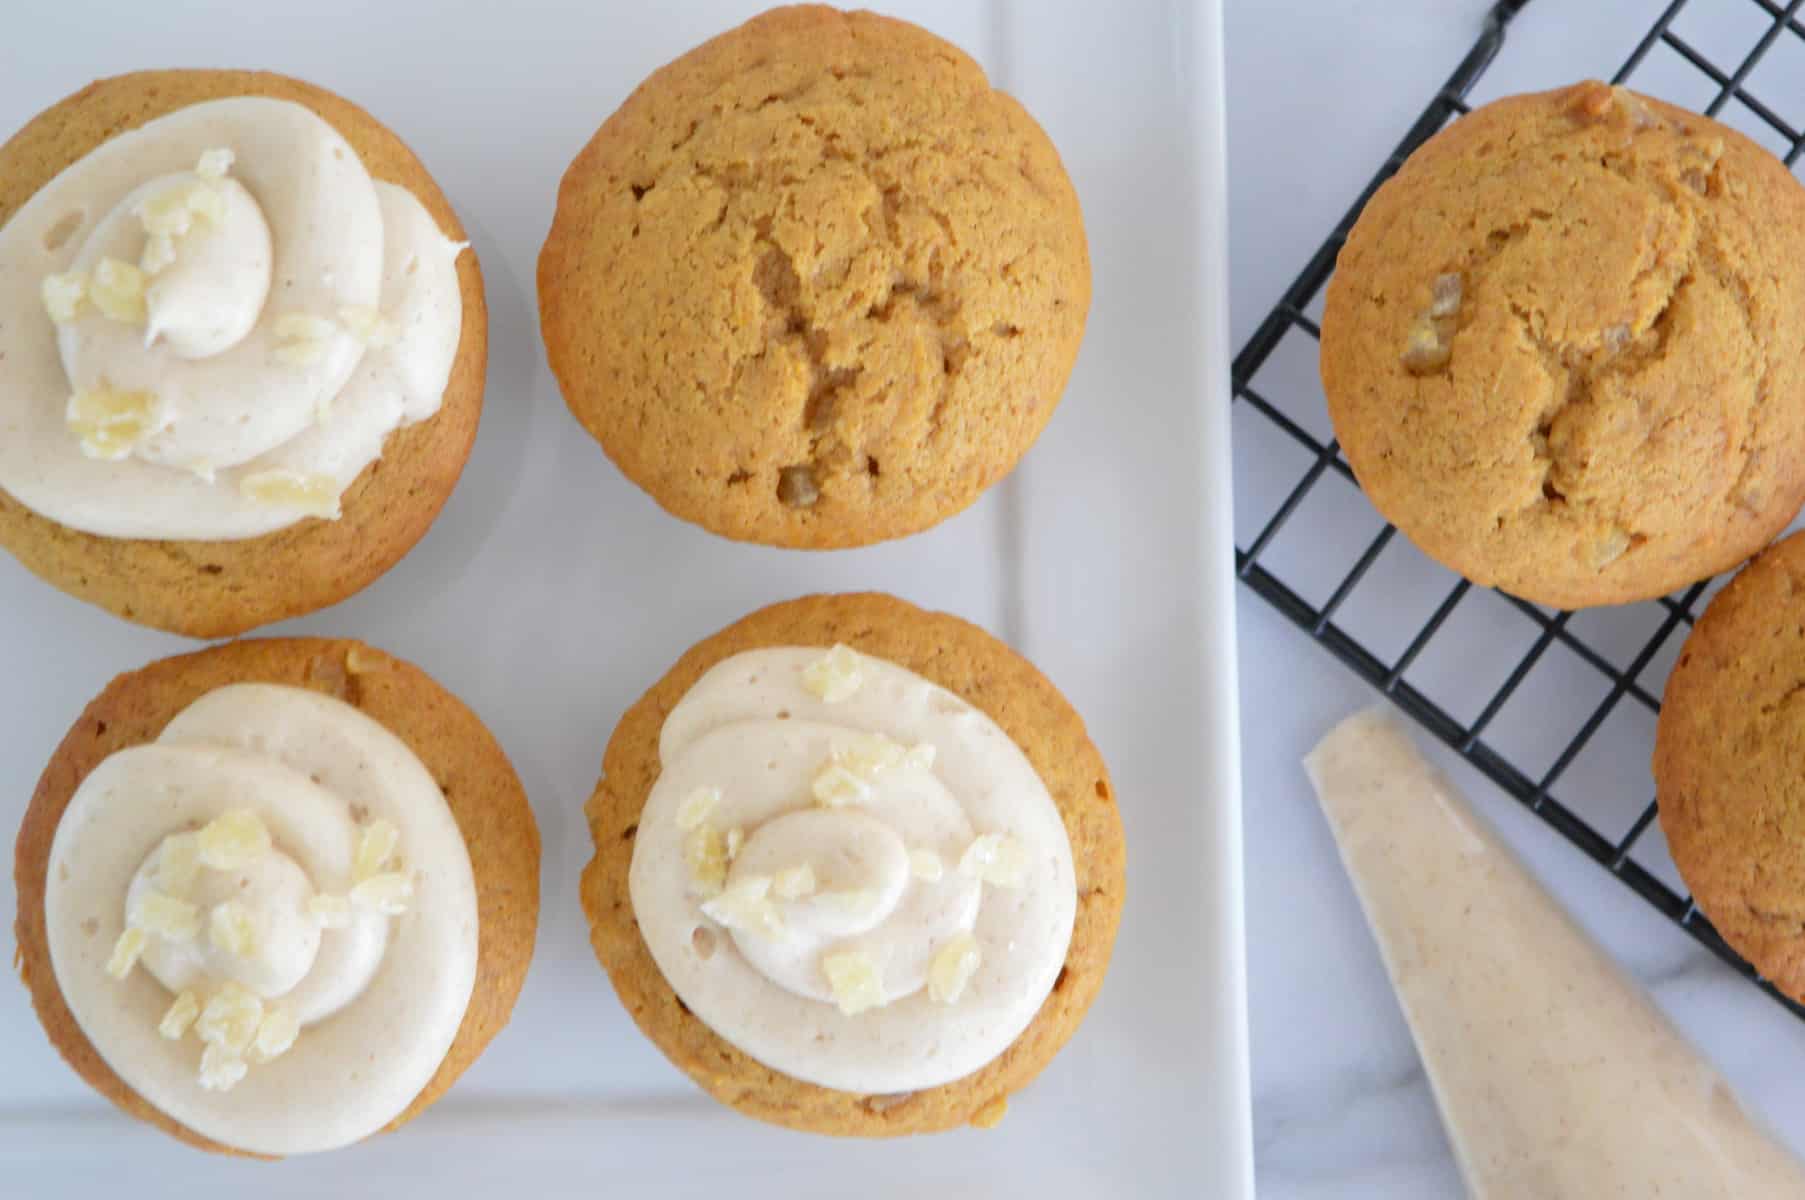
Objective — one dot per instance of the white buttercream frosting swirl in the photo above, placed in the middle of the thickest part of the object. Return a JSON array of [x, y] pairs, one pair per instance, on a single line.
[[210, 324], [850, 873], [265, 921]]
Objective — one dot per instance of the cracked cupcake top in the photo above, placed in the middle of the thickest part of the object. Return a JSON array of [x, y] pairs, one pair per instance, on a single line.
[[1564, 347], [816, 283]]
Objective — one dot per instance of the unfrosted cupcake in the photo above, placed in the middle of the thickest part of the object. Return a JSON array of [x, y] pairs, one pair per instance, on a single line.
[[242, 347], [858, 868], [816, 283], [1564, 347], [1729, 763], [276, 896]]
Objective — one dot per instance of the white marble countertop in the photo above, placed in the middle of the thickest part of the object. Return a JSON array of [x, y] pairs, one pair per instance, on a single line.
[[1318, 94]]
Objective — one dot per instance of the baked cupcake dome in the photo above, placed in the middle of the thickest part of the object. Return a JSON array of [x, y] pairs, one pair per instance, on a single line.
[[977, 671], [211, 588], [478, 784], [1564, 347], [1729, 764], [815, 284]]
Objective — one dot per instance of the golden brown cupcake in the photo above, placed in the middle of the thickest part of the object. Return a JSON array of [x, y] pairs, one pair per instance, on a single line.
[[816, 283], [277, 895], [1730, 764], [1564, 347], [858, 868], [242, 364]]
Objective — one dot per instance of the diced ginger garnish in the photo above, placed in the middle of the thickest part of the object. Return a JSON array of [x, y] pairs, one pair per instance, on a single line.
[[997, 859], [857, 764], [207, 203], [276, 1033], [855, 980], [746, 906], [332, 912], [315, 495], [705, 855], [836, 787], [388, 893], [376, 844], [952, 968], [302, 339], [233, 840], [159, 252], [696, 806], [369, 326], [180, 1016], [171, 212], [215, 163], [870, 755], [793, 883], [63, 295], [110, 422], [230, 1017], [126, 951], [169, 918], [925, 865], [165, 214], [834, 676], [221, 1068], [232, 927], [117, 290]]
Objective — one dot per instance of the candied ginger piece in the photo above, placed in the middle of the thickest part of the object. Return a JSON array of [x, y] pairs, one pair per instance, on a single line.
[[997, 859], [952, 968], [180, 1016], [854, 978], [835, 676], [234, 839]]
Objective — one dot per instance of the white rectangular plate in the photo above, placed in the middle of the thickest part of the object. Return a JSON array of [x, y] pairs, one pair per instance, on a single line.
[[551, 593]]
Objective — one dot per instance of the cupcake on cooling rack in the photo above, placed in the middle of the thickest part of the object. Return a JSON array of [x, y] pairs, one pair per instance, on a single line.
[[242, 346], [276, 896], [1729, 764], [816, 283], [1564, 347], [858, 868]]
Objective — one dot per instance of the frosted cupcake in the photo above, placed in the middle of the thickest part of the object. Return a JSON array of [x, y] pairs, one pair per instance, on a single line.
[[276, 896], [858, 868], [242, 346]]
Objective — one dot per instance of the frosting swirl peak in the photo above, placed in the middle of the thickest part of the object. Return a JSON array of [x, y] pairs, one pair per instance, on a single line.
[[280, 877], [210, 323], [850, 873]]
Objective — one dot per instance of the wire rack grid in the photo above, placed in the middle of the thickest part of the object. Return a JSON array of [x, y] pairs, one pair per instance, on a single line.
[[1531, 740]]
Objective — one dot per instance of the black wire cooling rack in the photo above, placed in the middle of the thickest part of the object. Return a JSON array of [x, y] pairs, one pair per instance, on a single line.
[[1320, 567]]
